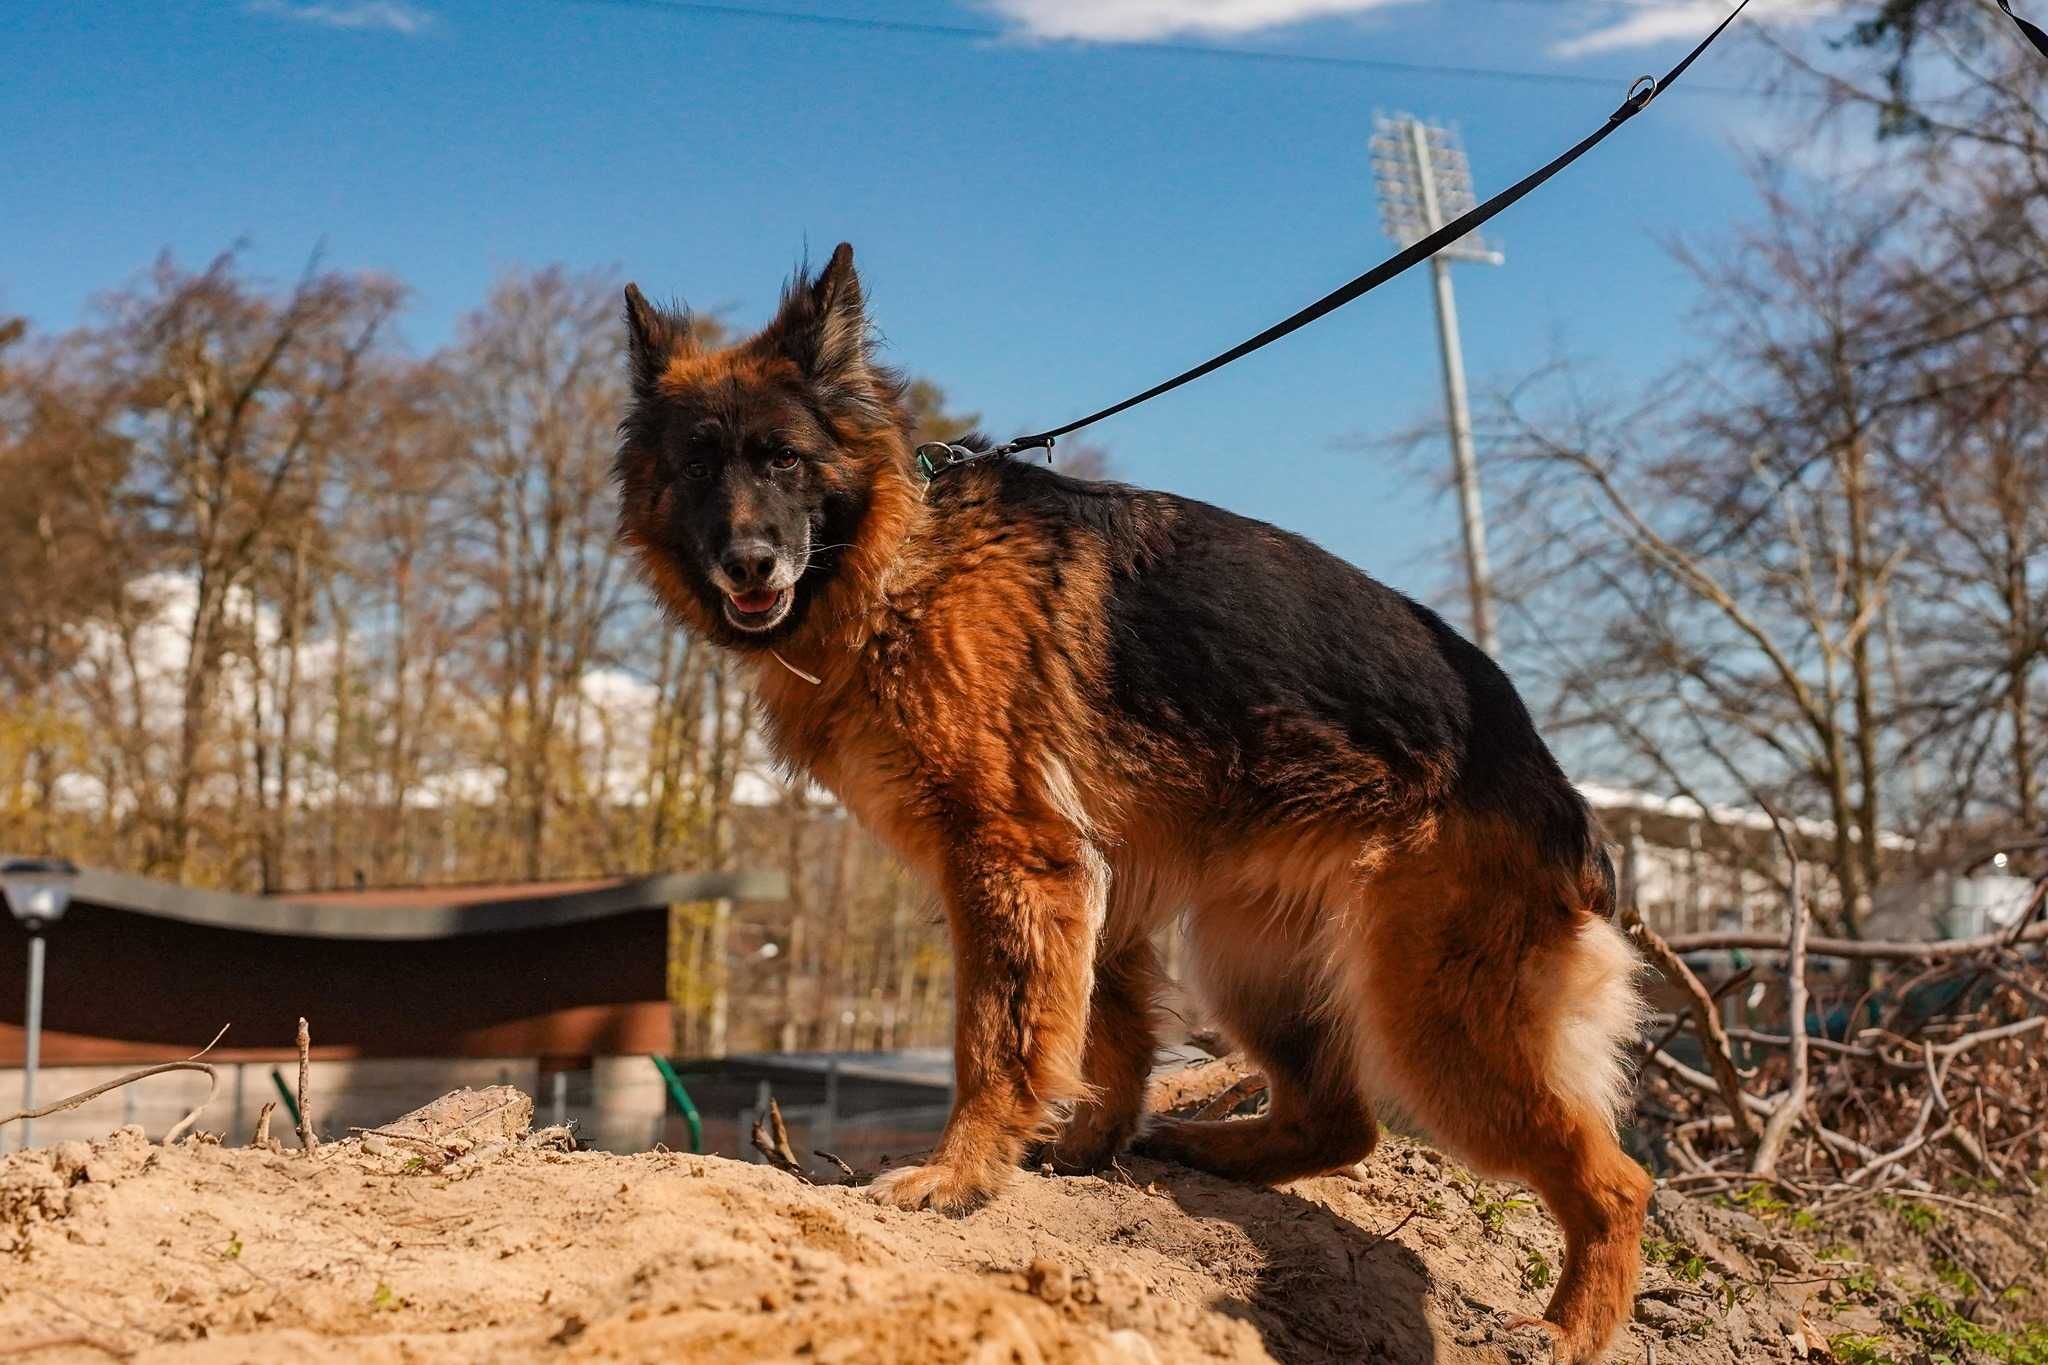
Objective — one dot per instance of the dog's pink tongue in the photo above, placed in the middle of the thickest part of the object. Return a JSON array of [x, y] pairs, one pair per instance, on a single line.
[[753, 603]]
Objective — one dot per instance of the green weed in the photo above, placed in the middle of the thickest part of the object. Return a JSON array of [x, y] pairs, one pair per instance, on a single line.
[[1853, 1348], [1493, 1213]]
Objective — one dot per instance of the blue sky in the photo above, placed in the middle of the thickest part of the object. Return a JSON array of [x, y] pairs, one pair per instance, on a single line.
[[1047, 219]]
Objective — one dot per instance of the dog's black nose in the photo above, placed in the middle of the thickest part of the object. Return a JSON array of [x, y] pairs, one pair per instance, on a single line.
[[748, 563]]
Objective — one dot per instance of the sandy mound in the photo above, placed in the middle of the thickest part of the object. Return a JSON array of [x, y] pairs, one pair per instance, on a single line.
[[206, 1253]]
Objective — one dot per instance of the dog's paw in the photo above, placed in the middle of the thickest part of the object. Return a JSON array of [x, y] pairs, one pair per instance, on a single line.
[[943, 1187], [1080, 1149], [1089, 1159], [1560, 1349]]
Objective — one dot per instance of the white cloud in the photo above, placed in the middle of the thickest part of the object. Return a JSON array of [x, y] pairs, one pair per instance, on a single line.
[[393, 16], [1134, 20], [1651, 24]]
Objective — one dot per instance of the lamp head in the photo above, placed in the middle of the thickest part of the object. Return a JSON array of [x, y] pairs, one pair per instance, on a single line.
[[37, 890]]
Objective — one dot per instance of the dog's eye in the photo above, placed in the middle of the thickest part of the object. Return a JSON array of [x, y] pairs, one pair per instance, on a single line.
[[785, 458], [697, 469]]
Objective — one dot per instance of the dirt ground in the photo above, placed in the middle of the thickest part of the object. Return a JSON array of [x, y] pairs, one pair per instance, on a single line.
[[224, 1254]]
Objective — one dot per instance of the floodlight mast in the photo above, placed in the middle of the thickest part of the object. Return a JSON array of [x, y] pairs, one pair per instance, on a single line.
[[1424, 182]]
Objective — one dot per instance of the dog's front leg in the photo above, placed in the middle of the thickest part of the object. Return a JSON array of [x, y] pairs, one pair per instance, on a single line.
[[1024, 914]]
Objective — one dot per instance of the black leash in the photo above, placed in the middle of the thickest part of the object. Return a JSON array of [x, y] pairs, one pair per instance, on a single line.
[[936, 457], [2033, 31]]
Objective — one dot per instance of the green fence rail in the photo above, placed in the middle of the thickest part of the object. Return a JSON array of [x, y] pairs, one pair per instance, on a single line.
[[682, 1099]]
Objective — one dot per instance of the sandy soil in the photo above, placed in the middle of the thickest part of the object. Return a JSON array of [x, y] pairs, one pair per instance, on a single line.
[[208, 1253]]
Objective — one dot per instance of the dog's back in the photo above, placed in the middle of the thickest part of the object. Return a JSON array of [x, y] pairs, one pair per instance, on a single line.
[[1287, 686]]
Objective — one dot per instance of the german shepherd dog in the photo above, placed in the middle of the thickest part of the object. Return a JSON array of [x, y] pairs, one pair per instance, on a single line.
[[1082, 708]]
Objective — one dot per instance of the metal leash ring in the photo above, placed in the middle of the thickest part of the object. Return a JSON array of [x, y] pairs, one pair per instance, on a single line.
[[935, 457]]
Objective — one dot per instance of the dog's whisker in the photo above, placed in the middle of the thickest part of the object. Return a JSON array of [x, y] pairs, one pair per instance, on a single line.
[[811, 555]]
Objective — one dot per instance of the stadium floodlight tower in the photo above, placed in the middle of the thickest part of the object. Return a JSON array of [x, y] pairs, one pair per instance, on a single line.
[[1424, 182]]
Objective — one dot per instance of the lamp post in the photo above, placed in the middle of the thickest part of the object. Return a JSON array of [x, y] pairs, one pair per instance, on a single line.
[[37, 891], [1424, 182]]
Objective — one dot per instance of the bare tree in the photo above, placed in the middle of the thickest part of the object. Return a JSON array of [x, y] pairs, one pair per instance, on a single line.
[[1708, 589], [537, 384], [231, 401]]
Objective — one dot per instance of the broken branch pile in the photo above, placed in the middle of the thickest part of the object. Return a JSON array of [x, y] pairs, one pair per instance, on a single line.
[[1938, 1077]]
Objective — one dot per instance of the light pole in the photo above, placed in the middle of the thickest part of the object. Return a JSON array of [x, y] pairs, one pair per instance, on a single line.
[[1424, 182], [37, 891]]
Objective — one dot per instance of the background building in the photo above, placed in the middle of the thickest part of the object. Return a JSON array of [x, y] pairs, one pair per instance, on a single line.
[[560, 988]]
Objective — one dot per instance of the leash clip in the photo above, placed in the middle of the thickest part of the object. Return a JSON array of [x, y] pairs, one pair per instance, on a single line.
[[936, 457]]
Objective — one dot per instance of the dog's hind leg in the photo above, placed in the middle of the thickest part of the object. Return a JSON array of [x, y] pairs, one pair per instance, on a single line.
[[1500, 1012], [1260, 977], [1123, 1033]]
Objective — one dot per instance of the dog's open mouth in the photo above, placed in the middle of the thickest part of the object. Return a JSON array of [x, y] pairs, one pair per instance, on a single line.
[[758, 609]]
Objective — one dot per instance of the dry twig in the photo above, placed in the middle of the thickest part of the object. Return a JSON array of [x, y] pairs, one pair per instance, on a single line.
[[177, 1129], [1236, 1097], [777, 1149], [781, 1132], [308, 1140], [1792, 1105], [1706, 1024], [1406, 1219], [1880, 950]]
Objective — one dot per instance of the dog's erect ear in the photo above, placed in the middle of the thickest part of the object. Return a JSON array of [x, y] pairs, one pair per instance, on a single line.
[[823, 327], [650, 335], [842, 316]]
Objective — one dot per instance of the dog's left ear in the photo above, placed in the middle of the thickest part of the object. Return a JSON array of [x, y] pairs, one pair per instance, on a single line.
[[823, 327], [650, 334]]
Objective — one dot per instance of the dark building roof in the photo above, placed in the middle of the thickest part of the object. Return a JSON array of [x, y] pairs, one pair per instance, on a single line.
[[421, 911], [140, 969]]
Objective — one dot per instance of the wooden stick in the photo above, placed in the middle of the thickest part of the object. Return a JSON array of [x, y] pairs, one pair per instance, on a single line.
[[1919, 1139], [1406, 1219], [1730, 1177], [1246, 1089], [191, 1063], [1878, 949], [1704, 1083], [1706, 1023], [1779, 1126], [778, 1157], [1863, 1052], [308, 1140], [82, 1096], [781, 1131]]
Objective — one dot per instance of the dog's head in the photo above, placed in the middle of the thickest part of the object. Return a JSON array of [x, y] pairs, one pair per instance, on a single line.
[[750, 476]]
